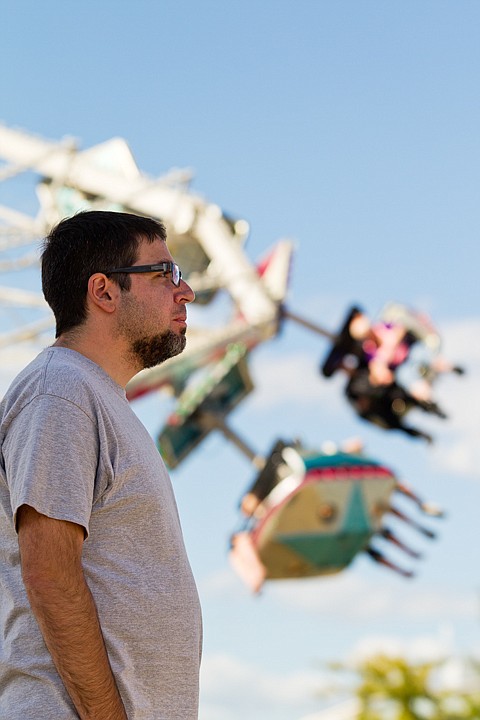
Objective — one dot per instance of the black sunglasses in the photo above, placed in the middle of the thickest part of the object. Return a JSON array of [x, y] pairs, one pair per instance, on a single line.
[[167, 268]]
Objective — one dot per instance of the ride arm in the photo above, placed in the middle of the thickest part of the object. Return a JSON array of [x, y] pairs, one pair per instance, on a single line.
[[50, 552]]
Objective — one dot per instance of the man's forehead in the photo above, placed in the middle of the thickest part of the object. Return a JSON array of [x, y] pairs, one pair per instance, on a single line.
[[152, 252]]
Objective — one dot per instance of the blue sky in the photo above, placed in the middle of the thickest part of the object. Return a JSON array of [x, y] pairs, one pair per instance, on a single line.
[[351, 127]]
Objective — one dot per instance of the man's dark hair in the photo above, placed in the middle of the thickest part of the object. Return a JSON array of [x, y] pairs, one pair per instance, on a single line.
[[90, 242]]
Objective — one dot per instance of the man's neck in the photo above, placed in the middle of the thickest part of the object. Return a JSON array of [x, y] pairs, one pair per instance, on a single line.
[[102, 352]]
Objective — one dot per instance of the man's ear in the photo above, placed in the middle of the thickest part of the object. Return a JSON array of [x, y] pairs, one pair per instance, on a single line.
[[102, 292]]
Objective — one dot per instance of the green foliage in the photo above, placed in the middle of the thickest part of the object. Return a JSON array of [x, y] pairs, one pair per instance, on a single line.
[[391, 688]]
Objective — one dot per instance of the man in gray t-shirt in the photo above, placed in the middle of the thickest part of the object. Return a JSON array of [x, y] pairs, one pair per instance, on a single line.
[[99, 614]]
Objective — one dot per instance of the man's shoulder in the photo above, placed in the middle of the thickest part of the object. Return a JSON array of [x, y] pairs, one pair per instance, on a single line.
[[60, 373]]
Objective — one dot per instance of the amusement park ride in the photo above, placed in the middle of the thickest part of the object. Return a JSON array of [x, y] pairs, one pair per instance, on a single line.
[[308, 512]]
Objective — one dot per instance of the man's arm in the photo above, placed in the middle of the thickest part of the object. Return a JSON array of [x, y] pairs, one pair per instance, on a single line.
[[50, 552]]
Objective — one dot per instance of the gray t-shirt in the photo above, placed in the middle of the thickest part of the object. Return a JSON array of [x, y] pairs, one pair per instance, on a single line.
[[72, 448]]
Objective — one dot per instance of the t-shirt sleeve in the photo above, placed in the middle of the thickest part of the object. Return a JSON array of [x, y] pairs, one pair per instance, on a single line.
[[51, 457]]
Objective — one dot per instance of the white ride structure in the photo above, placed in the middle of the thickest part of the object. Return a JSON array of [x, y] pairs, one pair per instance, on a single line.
[[206, 243]]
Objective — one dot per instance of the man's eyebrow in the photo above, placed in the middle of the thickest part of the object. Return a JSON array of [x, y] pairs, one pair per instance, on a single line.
[[154, 262]]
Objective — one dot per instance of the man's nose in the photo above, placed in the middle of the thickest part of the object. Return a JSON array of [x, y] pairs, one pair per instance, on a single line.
[[185, 294]]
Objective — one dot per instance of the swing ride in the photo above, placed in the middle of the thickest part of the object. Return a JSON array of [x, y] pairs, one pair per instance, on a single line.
[[310, 512]]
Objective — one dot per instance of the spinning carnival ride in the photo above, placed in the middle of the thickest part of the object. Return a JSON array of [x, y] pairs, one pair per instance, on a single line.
[[337, 502]]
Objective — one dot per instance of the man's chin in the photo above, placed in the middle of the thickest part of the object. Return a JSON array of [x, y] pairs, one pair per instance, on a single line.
[[178, 347], [156, 350]]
